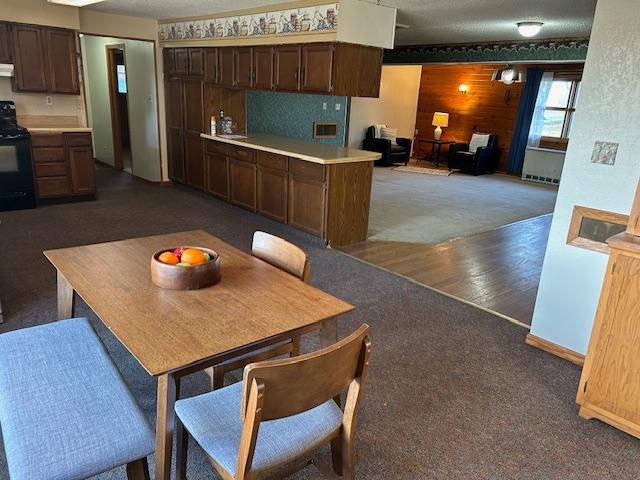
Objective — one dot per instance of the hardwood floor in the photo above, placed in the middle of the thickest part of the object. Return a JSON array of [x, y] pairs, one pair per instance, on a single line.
[[497, 270]]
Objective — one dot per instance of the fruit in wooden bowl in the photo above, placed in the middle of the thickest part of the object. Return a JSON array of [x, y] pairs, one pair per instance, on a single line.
[[185, 268]]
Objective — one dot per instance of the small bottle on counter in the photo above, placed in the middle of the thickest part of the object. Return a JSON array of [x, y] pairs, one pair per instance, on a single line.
[[213, 125]]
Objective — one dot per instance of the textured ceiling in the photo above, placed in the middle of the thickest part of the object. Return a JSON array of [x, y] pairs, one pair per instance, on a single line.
[[430, 21]]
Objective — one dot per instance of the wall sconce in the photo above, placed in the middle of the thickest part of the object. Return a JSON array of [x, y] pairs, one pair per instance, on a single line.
[[464, 88]]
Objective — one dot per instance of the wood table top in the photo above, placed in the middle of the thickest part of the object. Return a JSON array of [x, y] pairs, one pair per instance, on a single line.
[[168, 330]]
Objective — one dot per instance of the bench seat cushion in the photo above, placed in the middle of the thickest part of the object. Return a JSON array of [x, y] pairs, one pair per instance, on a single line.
[[65, 411]]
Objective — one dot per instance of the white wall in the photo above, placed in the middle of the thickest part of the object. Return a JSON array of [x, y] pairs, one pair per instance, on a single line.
[[141, 97], [396, 107], [609, 110], [366, 23]]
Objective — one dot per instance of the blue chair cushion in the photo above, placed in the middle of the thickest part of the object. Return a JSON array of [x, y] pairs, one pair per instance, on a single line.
[[213, 420], [65, 411]]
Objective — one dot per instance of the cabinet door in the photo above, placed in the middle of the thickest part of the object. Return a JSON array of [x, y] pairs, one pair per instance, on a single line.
[[5, 43], [62, 61], [194, 160], [263, 67], [287, 69], [307, 204], [244, 67], [181, 61], [211, 65], [226, 58], [176, 154], [83, 170], [317, 68], [173, 99], [272, 193], [196, 62], [29, 59], [169, 61], [218, 175], [242, 181], [193, 106]]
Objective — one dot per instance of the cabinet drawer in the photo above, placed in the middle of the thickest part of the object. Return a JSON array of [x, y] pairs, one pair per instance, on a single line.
[[46, 140], [48, 155], [77, 139], [53, 187], [310, 170], [272, 160], [213, 146], [50, 169], [242, 153]]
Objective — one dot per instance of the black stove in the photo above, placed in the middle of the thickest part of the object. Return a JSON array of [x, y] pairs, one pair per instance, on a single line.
[[16, 172]]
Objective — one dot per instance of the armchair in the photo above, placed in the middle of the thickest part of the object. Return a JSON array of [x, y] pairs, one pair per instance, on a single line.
[[391, 154], [478, 156]]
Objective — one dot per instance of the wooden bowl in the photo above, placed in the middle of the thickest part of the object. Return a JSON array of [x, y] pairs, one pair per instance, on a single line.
[[181, 277]]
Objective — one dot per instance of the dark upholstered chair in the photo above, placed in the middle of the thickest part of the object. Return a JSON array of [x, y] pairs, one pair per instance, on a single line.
[[483, 160], [391, 154]]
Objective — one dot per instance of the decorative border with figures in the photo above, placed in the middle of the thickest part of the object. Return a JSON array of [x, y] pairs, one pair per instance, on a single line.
[[317, 19]]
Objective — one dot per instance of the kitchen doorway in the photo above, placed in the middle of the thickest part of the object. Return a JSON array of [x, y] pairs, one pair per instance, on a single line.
[[118, 101]]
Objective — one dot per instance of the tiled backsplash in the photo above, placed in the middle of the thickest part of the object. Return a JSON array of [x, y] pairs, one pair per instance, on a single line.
[[293, 114]]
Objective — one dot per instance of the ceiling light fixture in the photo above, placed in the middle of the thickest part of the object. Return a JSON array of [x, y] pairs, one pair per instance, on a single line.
[[75, 3], [529, 29]]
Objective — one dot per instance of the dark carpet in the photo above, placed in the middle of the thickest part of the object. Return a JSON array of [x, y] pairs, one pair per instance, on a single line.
[[453, 392]]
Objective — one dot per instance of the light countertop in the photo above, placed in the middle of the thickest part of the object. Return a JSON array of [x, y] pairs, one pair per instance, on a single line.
[[58, 129], [291, 147]]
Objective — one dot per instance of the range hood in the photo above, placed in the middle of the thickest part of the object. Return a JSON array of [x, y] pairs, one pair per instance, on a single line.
[[6, 70]]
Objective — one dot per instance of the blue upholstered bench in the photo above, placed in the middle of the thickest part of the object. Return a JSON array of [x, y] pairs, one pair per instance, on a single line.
[[65, 411]]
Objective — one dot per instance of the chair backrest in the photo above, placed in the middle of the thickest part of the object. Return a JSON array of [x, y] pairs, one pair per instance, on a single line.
[[297, 384], [282, 254]]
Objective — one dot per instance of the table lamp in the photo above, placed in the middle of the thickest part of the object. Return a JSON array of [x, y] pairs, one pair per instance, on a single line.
[[440, 120]]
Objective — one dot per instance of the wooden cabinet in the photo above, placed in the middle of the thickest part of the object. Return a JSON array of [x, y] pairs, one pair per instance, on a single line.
[[175, 148], [193, 127], [242, 183], [263, 68], [211, 65], [62, 62], [244, 67], [181, 61], [218, 175], [226, 61], [357, 70], [196, 62], [29, 58], [169, 61], [287, 67], [307, 196], [5, 43], [194, 160], [272, 184], [63, 165], [317, 68]]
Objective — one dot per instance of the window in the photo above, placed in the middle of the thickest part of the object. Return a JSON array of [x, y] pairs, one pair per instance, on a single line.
[[559, 109], [122, 79]]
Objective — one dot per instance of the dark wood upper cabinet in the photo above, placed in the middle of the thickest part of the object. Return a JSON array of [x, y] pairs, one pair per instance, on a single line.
[[62, 61], [357, 70], [226, 61], [181, 61], [5, 43], [169, 61], [196, 61], [263, 67], [30, 60], [244, 67], [211, 65], [317, 68], [287, 67]]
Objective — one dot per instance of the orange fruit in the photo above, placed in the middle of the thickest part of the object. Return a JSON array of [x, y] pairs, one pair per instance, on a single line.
[[193, 256], [169, 257]]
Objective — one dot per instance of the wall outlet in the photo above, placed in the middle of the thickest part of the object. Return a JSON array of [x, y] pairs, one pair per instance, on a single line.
[[337, 106], [324, 105], [48, 100]]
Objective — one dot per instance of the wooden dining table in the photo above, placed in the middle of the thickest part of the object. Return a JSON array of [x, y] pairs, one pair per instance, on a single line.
[[173, 333]]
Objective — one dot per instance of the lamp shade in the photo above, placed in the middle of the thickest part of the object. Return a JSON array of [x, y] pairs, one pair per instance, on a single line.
[[440, 119]]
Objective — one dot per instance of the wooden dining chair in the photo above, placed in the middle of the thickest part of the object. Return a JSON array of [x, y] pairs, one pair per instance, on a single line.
[[283, 411], [289, 258]]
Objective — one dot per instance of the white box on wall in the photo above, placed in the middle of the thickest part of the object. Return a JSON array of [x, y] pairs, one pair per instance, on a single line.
[[366, 24]]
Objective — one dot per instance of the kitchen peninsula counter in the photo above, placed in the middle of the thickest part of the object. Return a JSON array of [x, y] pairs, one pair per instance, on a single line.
[[321, 189]]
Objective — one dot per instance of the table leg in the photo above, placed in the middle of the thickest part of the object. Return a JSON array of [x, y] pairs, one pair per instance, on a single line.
[[165, 422], [65, 298]]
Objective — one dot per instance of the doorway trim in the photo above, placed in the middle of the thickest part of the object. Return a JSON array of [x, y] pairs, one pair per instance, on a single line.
[[118, 163]]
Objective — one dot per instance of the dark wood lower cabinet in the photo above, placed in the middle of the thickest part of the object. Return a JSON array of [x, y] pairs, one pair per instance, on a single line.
[[307, 204], [242, 182], [272, 193], [175, 149], [83, 170], [194, 160], [218, 175]]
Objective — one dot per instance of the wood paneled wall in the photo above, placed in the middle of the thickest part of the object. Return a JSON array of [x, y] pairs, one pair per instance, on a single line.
[[233, 101], [488, 106]]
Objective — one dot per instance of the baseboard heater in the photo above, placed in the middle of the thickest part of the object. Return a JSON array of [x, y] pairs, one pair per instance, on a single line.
[[543, 165]]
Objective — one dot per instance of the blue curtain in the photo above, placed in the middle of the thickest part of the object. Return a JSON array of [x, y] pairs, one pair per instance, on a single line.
[[523, 120]]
